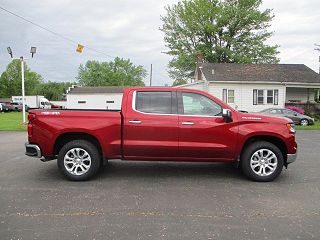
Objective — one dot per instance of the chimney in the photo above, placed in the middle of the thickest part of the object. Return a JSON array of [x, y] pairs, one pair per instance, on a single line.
[[198, 75]]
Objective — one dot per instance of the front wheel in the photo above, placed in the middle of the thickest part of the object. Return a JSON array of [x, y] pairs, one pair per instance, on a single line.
[[304, 122], [79, 160], [262, 161]]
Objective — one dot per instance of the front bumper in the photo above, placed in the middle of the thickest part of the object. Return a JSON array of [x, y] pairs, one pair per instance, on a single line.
[[292, 157], [33, 150]]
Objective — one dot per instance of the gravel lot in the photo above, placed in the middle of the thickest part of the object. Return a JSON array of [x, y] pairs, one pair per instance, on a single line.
[[145, 200]]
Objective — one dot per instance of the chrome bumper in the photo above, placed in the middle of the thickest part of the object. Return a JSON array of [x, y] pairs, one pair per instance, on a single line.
[[33, 150], [291, 157]]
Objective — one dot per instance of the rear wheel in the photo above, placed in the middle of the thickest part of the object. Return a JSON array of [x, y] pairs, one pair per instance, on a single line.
[[304, 122], [79, 160], [262, 161]]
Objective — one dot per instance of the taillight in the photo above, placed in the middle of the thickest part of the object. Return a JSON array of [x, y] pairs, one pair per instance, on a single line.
[[30, 130], [31, 118]]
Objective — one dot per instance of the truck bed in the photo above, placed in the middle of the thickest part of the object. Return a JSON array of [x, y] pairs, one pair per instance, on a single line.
[[52, 126]]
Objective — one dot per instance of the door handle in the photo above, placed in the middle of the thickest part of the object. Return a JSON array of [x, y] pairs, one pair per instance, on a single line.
[[135, 121], [187, 123]]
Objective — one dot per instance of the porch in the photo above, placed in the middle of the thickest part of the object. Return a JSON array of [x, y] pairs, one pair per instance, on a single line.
[[301, 95]]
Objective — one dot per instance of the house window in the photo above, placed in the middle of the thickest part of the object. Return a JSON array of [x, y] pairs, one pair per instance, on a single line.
[[260, 97], [269, 96], [228, 95], [276, 97], [265, 96]]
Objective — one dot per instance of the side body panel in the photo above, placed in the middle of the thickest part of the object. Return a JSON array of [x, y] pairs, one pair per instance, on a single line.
[[102, 125], [202, 136], [148, 136], [253, 125], [208, 137]]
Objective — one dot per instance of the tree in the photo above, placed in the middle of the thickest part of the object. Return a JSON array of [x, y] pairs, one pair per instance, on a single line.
[[10, 80], [178, 82], [119, 72], [223, 31], [53, 90]]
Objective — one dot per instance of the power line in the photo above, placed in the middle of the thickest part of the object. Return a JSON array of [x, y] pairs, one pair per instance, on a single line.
[[52, 32]]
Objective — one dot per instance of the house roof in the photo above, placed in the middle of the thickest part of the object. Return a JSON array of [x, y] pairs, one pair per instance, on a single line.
[[96, 90], [293, 73]]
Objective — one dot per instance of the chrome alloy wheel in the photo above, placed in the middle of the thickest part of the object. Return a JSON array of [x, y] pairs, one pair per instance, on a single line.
[[77, 161], [263, 162], [304, 122]]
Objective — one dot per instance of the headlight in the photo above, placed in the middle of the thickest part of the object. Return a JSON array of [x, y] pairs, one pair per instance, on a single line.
[[291, 127]]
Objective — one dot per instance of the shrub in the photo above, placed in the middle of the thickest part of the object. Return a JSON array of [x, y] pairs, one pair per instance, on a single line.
[[315, 116]]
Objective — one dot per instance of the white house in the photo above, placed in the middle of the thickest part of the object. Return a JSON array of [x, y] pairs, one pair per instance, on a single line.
[[94, 98], [254, 87]]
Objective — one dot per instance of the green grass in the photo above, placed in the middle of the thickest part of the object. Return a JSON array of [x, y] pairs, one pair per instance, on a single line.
[[316, 126], [12, 121]]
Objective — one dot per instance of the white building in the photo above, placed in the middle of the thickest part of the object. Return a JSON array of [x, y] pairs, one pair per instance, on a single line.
[[254, 87], [94, 98]]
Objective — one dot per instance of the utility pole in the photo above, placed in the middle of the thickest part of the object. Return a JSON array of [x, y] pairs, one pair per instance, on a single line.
[[318, 49], [151, 75]]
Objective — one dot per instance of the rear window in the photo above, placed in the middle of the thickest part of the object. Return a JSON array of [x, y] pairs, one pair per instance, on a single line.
[[154, 102]]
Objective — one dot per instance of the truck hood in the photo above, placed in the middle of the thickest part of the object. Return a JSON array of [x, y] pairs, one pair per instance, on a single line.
[[263, 118]]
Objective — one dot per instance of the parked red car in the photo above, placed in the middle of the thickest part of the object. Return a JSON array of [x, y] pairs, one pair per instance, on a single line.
[[162, 124], [55, 106]]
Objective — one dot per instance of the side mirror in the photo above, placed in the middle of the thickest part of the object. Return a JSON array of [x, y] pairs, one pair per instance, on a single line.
[[227, 115]]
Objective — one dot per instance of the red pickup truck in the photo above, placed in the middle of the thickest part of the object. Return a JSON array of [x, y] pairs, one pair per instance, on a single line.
[[162, 124]]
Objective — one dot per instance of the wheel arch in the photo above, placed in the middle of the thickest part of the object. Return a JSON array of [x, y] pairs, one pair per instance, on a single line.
[[278, 142], [70, 136]]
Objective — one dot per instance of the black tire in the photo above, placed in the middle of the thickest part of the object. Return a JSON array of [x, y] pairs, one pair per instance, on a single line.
[[251, 151], [303, 121], [88, 149]]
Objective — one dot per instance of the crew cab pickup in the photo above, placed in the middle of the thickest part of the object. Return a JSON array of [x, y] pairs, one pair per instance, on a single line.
[[162, 124]]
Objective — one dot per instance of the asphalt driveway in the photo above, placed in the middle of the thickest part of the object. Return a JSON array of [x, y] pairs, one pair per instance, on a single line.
[[145, 200]]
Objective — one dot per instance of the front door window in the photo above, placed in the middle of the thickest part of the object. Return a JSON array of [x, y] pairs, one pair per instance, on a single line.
[[196, 104]]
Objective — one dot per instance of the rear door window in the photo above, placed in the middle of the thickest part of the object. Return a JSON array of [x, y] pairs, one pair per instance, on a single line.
[[154, 102]]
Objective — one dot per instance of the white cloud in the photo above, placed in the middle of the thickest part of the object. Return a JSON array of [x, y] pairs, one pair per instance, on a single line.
[[296, 30], [130, 29]]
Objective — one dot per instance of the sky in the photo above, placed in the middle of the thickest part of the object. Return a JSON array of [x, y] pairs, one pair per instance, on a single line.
[[130, 29]]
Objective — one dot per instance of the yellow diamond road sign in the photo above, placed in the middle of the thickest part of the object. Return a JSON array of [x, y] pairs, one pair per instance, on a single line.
[[80, 48]]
